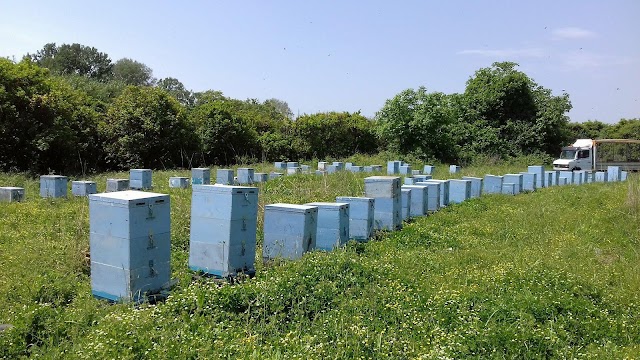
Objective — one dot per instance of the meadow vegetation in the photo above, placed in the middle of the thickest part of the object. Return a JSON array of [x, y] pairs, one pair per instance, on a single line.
[[549, 274]]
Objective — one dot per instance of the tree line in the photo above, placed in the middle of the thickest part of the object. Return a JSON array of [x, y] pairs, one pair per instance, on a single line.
[[71, 109]]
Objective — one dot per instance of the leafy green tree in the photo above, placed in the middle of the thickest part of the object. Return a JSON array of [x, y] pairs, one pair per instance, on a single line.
[[224, 137], [418, 122], [74, 59], [146, 127], [281, 106], [177, 89], [131, 72], [624, 129], [592, 129], [45, 126]]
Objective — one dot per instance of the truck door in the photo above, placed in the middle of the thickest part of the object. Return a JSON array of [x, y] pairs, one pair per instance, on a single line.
[[583, 159]]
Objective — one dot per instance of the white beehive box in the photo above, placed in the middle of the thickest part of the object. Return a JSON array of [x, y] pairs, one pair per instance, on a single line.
[[333, 225], [444, 190], [223, 229], [361, 220], [419, 199], [179, 182], [322, 165], [405, 195], [493, 184], [130, 244], [454, 169], [224, 177], [388, 205], [433, 194], [289, 231], [54, 186], [140, 179], [245, 176], [114, 185], [459, 191], [476, 186], [11, 194], [428, 169], [83, 188]]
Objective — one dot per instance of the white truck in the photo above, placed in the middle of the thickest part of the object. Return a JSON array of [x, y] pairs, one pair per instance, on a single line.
[[597, 155]]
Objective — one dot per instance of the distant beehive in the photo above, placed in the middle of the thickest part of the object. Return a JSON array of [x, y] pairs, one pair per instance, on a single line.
[[509, 188], [368, 168], [280, 165], [393, 167], [200, 176], [623, 175], [405, 170], [293, 170], [11, 194], [588, 176], [348, 165], [454, 169], [433, 194], [563, 180], [579, 177], [305, 169], [459, 191], [260, 177], [476, 186], [223, 229], [321, 172], [361, 218], [224, 177], [54, 186], [83, 188], [339, 165], [444, 191], [428, 169], [322, 165], [613, 173], [415, 172], [405, 195], [275, 175], [292, 164], [333, 225], [130, 242], [569, 175], [420, 178], [419, 199], [332, 169], [179, 182], [289, 230], [493, 184], [516, 179], [356, 169], [409, 181], [529, 181], [114, 185], [140, 179], [551, 178], [386, 192], [540, 177], [245, 176], [601, 176], [376, 168]]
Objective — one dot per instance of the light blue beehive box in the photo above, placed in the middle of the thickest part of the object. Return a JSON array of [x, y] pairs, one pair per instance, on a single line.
[[83, 188], [569, 175], [294, 170], [53, 186], [260, 177], [368, 168], [563, 180], [280, 165], [130, 242], [540, 178], [348, 165], [321, 172], [551, 178], [200, 176], [356, 169], [115, 185], [305, 169], [11, 194], [476, 186], [516, 179], [444, 191], [388, 206], [459, 191], [415, 172], [274, 175], [333, 225], [289, 230], [454, 169], [393, 167], [178, 182], [529, 181], [339, 165], [600, 176], [245, 176], [433, 194], [587, 177], [291, 164], [140, 179], [420, 178], [223, 229], [405, 195], [361, 219], [579, 177], [332, 169], [509, 188], [623, 175], [419, 199], [429, 169], [322, 165], [493, 184], [405, 170], [376, 168], [613, 173], [409, 181], [224, 177]]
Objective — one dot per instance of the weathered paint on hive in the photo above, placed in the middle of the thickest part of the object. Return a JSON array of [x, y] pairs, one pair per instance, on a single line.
[[493, 184], [200, 176], [361, 218], [140, 179], [476, 185], [289, 231], [115, 185], [83, 188], [224, 177], [516, 179], [428, 169], [179, 182], [54, 186], [11, 194]]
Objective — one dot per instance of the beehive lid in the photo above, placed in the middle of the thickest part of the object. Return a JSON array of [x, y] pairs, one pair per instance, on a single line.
[[354, 198], [140, 170], [201, 169], [53, 177], [245, 168], [126, 197], [291, 207], [471, 178], [224, 189], [381, 178], [328, 205], [11, 188], [84, 182]]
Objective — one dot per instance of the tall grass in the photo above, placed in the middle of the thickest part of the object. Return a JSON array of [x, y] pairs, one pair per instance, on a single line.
[[551, 274]]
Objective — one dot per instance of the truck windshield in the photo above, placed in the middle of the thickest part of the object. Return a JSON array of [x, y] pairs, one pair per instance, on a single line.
[[568, 154]]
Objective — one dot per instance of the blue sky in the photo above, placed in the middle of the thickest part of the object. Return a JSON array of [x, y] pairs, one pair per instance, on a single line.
[[353, 55]]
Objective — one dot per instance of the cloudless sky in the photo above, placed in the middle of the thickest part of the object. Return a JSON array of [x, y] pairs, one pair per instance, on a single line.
[[353, 55]]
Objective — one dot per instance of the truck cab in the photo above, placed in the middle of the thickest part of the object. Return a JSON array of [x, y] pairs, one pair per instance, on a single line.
[[579, 156]]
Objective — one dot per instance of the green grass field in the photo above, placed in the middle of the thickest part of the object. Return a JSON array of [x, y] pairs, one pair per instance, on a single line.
[[550, 274]]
